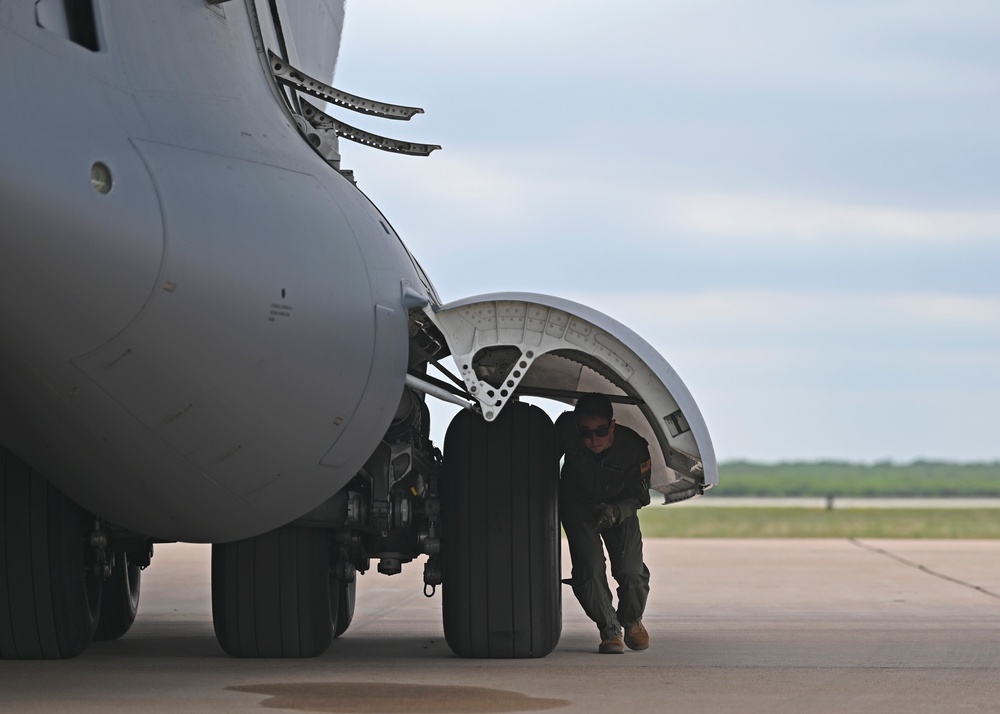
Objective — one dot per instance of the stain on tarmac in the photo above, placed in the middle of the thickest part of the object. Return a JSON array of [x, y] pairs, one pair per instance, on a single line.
[[371, 698]]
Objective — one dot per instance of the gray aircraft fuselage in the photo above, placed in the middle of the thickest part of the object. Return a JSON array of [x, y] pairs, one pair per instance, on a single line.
[[209, 339]]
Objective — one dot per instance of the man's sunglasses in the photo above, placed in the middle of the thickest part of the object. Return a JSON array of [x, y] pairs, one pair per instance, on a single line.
[[600, 432]]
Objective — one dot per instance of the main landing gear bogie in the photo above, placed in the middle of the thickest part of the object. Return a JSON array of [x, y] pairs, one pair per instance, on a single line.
[[289, 592], [487, 520]]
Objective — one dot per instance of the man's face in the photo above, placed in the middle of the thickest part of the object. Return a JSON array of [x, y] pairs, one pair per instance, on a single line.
[[590, 427]]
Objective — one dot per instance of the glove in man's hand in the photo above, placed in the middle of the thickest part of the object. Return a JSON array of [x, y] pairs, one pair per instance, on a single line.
[[605, 516]]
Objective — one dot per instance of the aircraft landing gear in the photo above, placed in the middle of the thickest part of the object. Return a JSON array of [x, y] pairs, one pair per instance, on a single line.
[[52, 600], [501, 595], [489, 524]]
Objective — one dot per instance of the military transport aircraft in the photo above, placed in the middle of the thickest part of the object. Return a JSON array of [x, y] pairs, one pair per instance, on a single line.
[[209, 334]]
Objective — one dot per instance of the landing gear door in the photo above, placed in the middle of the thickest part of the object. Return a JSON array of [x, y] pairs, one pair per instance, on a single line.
[[525, 344]]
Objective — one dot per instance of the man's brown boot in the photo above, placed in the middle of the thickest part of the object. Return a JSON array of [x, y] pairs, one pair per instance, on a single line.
[[613, 646], [636, 636]]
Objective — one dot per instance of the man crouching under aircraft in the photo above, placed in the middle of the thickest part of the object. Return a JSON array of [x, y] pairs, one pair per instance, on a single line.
[[605, 480]]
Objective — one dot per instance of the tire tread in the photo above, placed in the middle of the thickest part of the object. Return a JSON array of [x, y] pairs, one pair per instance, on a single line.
[[501, 555], [270, 594]]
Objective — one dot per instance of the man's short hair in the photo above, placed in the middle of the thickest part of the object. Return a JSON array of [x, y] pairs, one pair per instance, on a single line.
[[594, 405]]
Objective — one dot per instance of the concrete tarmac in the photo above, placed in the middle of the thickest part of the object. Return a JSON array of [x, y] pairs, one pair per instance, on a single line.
[[735, 625]]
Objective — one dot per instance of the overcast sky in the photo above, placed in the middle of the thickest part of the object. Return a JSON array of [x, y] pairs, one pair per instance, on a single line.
[[796, 203]]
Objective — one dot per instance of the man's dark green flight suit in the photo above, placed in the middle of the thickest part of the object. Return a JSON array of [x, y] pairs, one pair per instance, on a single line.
[[618, 476]]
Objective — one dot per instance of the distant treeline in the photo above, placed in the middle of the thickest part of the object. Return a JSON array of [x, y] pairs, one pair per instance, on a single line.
[[920, 479]]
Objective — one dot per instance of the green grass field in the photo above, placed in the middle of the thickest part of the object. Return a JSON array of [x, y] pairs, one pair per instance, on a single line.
[[660, 521], [925, 479]]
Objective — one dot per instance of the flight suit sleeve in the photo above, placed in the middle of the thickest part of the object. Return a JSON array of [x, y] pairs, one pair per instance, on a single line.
[[635, 494]]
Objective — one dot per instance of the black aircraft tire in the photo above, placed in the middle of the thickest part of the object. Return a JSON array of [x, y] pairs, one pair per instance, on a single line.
[[271, 594], [501, 594], [119, 600], [345, 594], [51, 599]]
